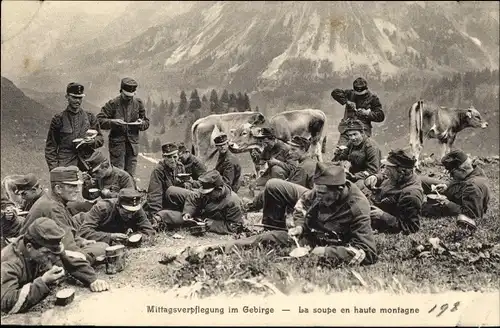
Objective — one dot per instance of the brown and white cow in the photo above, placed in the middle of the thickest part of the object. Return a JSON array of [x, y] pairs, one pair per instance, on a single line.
[[309, 123], [435, 122]]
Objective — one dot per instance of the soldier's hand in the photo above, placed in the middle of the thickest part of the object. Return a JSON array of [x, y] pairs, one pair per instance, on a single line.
[[272, 162], [375, 212], [55, 273], [296, 231], [350, 104], [364, 111], [441, 187], [371, 182], [9, 213], [116, 236], [118, 121], [99, 286], [107, 193], [187, 217]]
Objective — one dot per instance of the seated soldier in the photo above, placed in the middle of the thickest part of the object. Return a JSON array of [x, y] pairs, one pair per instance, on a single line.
[[192, 164], [34, 262], [300, 165], [468, 193], [272, 148], [164, 175], [29, 189], [397, 195], [110, 220], [214, 202], [227, 164], [65, 187], [105, 177], [333, 217], [361, 156]]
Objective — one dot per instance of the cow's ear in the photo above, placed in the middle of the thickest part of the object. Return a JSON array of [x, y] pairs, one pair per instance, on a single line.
[[257, 119]]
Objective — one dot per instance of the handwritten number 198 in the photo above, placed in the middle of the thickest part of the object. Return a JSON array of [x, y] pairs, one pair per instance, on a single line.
[[444, 307]]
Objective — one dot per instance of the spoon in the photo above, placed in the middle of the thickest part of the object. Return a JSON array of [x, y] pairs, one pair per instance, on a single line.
[[299, 251]]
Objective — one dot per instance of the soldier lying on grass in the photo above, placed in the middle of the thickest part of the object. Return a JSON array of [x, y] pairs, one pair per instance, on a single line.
[[333, 218], [34, 262]]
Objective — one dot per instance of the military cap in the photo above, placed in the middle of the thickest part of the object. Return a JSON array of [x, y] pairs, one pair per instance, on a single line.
[[221, 139], [128, 86], [66, 175], [301, 142], [130, 199], [360, 84], [181, 147], [96, 159], [210, 180], [75, 89], [454, 159], [47, 233], [329, 174], [26, 182], [399, 158], [266, 132], [355, 125], [169, 149]]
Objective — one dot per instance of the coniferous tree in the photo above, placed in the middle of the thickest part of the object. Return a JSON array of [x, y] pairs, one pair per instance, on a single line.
[[148, 106], [240, 102], [156, 145], [171, 108], [214, 102], [144, 141], [246, 103], [232, 100], [183, 104], [194, 101], [224, 102]]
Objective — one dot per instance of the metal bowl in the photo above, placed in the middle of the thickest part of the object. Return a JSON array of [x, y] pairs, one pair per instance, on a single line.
[[94, 193]]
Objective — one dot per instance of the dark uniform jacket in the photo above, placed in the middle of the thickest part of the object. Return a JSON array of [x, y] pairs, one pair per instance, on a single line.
[[279, 151], [469, 197], [349, 217], [116, 181], [367, 101], [48, 206], [193, 166], [364, 158], [129, 111], [161, 178], [300, 172], [104, 219], [60, 150], [225, 210], [22, 285], [404, 201], [229, 168]]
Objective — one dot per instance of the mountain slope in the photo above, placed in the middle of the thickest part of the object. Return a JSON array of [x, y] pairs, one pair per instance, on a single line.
[[24, 125], [259, 46]]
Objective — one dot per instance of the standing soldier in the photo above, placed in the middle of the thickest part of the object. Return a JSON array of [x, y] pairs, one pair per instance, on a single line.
[[73, 134], [124, 116], [359, 103]]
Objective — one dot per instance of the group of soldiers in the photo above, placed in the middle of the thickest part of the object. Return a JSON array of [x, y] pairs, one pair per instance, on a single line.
[[336, 208]]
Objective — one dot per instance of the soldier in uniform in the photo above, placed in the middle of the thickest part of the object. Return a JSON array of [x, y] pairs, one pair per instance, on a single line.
[[273, 148], [467, 194], [397, 195], [11, 222], [214, 202], [29, 188], [164, 175], [74, 122], [333, 218], [359, 103], [65, 187], [300, 165], [109, 220], [34, 262], [361, 157], [105, 177], [116, 116], [227, 164], [191, 163]]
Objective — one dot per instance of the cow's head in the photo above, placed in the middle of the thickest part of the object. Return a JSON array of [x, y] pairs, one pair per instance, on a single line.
[[473, 118], [242, 137]]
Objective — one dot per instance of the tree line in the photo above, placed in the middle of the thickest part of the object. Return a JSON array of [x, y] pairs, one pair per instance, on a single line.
[[160, 113]]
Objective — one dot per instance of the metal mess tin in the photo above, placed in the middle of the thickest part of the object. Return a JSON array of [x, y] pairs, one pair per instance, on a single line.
[[116, 258]]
